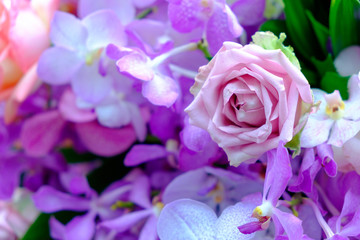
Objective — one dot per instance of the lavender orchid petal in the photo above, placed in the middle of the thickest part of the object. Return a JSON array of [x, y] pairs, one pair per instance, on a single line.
[[161, 90], [104, 27], [352, 228], [220, 21], [114, 115], [307, 173], [144, 153], [81, 227], [67, 31], [89, 85], [186, 219], [343, 131], [186, 15], [249, 12], [124, 9], [326, 155], [57, 65], [138, 122], [229, 220], [75, 183], [149, 232], [57, 229], [136, 64], [141, 192], [48, 200], [125, 222], [290, 223], [278, 173]]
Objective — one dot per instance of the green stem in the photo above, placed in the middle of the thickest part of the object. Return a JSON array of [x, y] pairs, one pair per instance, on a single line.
[[202, 46]]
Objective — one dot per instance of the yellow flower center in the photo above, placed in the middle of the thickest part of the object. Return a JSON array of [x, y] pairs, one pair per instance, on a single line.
[[335, 111]]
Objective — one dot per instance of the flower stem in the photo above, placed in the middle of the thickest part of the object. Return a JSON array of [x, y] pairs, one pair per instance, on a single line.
[[183, 71], [161, 58], [328, 232], [202, 46]]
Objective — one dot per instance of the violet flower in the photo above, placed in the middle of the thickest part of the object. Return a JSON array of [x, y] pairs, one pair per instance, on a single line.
[[149, 211], [278, 174], [78, 47], [215, 187], [49, 200], [347, 223], [214, 17], [193, 220], [312, 161]]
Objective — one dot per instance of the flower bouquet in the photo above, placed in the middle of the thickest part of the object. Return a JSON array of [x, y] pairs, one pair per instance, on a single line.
[[179, 119]]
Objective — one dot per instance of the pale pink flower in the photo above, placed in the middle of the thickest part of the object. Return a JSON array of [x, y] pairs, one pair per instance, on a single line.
[[17, 215], [336, 121], [248, 99], [24, 36]]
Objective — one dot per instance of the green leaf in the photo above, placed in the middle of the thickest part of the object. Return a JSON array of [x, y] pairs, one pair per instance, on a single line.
[[321, 32], [344, 24], [268, 40], [39, 229], [333, 81], [110, 171], [324, 66], [300, 30], [294, 144], [311, 76], [72, 156], [275, 26]]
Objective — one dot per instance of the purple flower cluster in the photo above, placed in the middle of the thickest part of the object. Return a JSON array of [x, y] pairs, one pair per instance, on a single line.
[[116, 135]]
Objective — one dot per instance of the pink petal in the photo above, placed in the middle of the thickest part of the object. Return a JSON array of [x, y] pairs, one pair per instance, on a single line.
[[105, 141], [71, 112], [343, 131], [137, 65], [41, 132], [161, 90], [29, 38]]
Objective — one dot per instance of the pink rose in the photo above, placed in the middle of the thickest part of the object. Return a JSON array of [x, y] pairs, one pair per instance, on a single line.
[[248, 99]]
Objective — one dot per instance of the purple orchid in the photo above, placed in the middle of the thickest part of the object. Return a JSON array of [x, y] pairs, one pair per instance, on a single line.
[[346, 224], [189, 219], [278, 174], [217, 188], [49, 200], [158, 85], [42, 132], [125, 10], [140, 196], [77, 49], [336, 121], [213, 16], [312, 161]]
